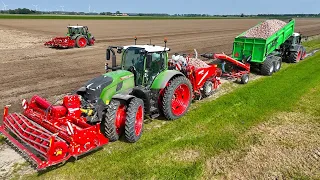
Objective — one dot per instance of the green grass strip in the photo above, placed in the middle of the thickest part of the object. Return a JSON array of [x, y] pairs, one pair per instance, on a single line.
[[212, 128]]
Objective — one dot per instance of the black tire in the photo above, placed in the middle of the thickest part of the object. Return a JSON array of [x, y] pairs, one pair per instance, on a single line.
[[78, 42], [277, 65], [108, 125], [207, 89], [131, 119], [267, 67], [293, 57], [244, 79], [169, 95]]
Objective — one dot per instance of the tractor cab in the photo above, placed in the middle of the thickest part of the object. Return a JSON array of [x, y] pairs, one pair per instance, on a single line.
[[295, 39], [74, 30], [145, 62]]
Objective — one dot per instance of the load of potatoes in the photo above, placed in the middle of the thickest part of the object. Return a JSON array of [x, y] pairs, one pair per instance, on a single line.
[[265, 29]]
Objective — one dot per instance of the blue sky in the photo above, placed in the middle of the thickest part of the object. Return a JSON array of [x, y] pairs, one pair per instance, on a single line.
[[175, 6]]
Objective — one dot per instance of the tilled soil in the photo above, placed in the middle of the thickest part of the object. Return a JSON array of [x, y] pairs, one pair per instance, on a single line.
[[28, 68]]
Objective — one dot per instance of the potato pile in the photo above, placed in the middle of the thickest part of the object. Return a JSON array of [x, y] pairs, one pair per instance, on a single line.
[[265, 29], [197, 63]]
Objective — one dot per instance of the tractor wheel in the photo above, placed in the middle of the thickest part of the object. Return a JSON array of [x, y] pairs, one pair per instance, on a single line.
[[114, 120], [134, 120], [277, 65], [295, 57], [207, 89], [81, 42], [244, 79], [267, 67], [177, 98]]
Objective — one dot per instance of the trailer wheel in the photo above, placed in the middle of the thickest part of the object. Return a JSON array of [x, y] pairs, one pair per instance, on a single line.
[[114, 120], [244, 79], [81, 42], [134, 120], [177, 98], [295, 57], [267, 67], [277, 65], [208, 89]]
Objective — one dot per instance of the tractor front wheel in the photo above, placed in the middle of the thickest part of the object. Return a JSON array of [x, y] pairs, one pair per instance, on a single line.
[[134, 120], [177, 98], [81, 42], [114, 120]]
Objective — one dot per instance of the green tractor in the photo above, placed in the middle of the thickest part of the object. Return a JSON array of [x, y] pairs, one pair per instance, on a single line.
[[142, 85], [77, 36]]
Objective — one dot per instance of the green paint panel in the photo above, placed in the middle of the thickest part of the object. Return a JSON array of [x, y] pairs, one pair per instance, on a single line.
[[119, 76], [162, 79], [259, 48]]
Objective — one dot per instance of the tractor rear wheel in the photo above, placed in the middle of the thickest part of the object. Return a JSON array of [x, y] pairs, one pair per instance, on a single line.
[[267, 67], [81, 42], [208, 89], [177, 98], [114, 120], [134, 120], [295, 57]]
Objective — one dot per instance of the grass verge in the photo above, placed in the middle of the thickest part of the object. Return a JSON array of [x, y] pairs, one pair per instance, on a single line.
[[179, 149], [313, 44]]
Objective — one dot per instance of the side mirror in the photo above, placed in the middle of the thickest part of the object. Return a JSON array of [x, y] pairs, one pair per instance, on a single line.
[[149, 60], [108, 54]]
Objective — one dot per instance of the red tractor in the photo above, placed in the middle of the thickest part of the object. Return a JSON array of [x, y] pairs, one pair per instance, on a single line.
[[77, 36]]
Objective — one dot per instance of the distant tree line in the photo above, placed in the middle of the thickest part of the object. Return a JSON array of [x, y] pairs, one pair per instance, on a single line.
[[118, 13]]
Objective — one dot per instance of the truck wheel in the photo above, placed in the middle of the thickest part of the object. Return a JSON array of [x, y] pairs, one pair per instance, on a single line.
[[244, 79], [277, 65], [267, 67], [81, 42], [295, 57], [177, 98], [134, 120], [114, 120], [207, 89]]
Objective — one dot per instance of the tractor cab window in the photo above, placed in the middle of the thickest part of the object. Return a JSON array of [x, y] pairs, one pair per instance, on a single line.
[[133, 61], [157, 66]]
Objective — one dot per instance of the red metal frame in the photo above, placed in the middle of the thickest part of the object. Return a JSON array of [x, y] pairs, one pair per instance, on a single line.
[[61, 42], [55, 133], [239, 70]]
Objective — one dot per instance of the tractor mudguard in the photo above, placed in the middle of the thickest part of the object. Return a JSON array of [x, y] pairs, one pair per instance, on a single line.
[[163, 78], [124, 97]]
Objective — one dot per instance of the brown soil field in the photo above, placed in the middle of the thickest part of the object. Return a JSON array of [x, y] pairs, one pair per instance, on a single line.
[[28, 68]]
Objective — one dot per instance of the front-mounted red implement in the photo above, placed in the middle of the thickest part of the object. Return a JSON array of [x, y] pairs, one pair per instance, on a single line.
[[51, 134]]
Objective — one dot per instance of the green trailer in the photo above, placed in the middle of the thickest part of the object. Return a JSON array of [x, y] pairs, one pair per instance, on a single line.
[[268, 54]]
